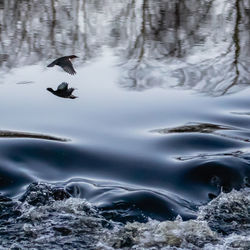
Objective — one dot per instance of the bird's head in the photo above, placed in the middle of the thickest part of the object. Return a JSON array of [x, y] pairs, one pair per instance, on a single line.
[[73, 57]]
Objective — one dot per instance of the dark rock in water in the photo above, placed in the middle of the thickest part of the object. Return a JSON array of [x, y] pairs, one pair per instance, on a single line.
[[60, 194], [39, 194]]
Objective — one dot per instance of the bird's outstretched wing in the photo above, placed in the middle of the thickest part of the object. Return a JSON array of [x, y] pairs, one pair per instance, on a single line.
[[52, 64], [63, 86], [68, 67]]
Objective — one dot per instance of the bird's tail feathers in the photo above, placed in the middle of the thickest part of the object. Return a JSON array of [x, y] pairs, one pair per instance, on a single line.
[[51, 64]]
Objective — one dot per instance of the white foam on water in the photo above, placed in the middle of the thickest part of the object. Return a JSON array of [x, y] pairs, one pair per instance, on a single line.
[[221, 224], [192, 234]]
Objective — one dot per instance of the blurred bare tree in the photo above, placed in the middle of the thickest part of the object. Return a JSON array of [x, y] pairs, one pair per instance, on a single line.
[[191, 44], [31, 31]]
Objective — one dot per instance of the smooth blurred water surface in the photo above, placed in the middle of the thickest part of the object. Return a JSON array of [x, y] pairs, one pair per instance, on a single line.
[[161, 122]]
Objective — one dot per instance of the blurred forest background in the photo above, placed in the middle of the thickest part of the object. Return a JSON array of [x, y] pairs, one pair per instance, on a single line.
[[202, 45]]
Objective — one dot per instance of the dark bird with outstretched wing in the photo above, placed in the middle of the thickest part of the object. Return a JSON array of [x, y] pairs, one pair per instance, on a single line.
[[65, 63], [63, 90]]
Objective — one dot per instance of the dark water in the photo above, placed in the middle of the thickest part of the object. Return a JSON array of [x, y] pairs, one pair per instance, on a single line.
[[159, 128]]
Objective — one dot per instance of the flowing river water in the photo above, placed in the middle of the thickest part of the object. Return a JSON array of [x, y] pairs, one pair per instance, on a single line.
[[154, 151]]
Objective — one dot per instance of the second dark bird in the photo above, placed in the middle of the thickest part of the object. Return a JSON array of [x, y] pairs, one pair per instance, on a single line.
[[63, 91], [65, 63]]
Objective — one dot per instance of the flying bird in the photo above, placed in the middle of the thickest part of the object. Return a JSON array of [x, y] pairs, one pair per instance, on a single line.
[[63, 91], [65, 63]]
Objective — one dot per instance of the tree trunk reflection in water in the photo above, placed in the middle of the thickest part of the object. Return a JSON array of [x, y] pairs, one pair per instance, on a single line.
[[236, 41], [159, 43]]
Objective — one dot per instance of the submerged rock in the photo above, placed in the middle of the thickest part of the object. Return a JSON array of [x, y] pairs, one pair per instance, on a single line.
[[39, 194]]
